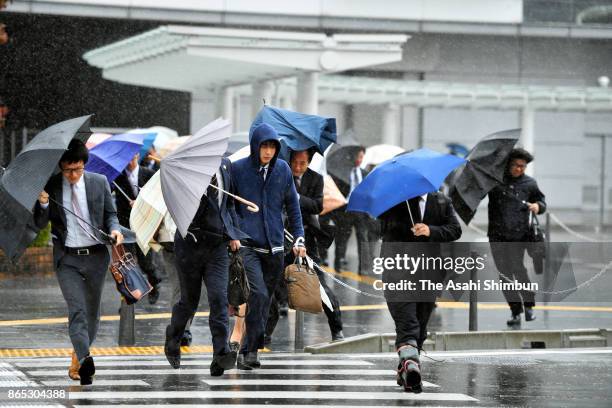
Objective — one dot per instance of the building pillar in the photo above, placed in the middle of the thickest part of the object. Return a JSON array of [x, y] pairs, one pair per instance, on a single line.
[[527, 134], [390, 125], [262, 91], [308, 93], [225, 104], [203, 109]]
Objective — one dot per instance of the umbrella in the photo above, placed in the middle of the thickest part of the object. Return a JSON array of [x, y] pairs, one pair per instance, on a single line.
[[484, 170], [402, 178], [96, 139], [377, 154], [27, 175], [240, 154], [110, 157], [171, 146], [297, 131], [148, 212], [186, 172], [340, 159], [157, 137]]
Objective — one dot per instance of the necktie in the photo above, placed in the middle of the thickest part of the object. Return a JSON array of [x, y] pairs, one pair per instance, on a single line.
[[422, 207], [74, 200], [262, 173], [212, 192], [297, 181]]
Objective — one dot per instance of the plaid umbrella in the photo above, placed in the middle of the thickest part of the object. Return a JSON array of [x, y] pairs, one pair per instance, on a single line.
[[148, 212]]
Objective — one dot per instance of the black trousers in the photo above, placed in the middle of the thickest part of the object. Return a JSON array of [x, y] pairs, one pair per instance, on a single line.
[[508, 258], [197, 262], [345, 222], [410, 321]]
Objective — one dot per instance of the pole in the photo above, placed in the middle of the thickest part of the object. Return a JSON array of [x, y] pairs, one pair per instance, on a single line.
[[602, 195], [126, 324], [547, 261], [299, 331], [473, 318]]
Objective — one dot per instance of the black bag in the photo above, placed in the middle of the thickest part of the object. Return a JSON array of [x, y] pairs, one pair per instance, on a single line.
[[130, 281], [536, 247], [238, 288]]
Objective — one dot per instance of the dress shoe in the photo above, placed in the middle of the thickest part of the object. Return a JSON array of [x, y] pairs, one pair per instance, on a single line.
[[283, 310], [73, 370], [154, 295], [515, 320], [172, 350], [222, 362], [252, 360], [187, 338], [241, 364], [87, 371], [337, 336], [529, 315]]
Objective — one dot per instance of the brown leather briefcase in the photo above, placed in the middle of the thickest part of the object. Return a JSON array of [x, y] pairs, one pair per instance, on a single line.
[[303, 287]]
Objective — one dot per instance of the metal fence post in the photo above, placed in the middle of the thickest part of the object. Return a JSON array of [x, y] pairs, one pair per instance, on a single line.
[[13, 146], [126, 324], [473, 317], [547, 262], [299, 331]]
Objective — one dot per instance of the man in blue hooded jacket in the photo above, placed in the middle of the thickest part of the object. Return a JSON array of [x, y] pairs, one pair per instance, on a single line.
[[268, 182]]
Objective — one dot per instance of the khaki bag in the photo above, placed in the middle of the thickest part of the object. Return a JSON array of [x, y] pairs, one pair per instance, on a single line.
[[303, 287]]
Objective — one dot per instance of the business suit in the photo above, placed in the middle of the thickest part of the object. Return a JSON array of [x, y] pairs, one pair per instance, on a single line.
[[203, 255], [345, 221], [411, 317], [310, 190], [81, 277], [124, 210]]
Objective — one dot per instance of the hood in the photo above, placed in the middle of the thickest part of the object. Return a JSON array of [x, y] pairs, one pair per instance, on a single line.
[[262, 133]]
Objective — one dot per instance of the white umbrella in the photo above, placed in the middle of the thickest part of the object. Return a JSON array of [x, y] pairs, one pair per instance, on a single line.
[[377, 154]]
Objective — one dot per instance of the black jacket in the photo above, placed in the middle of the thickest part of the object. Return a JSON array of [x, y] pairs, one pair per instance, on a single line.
[[123, 205], [311, 197], [439, 216], [508, 215]]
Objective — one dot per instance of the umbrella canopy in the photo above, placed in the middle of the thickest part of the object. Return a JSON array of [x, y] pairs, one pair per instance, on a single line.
[[402, 178], [110, 157], [240, 154], [484, 170], [148, 212], [96, 139], [377, 154], [297, 131], [157, 137], [186, 172], [171, 146], [340, 158], [26, 176]]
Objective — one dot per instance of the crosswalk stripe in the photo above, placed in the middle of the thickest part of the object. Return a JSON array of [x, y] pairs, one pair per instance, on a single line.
[[308, 395], [342, 383], [253, 406], [128, 363], [98, 383], [205, 371]]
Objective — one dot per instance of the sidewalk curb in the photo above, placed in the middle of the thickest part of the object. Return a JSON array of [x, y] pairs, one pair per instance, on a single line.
[[479, 340]]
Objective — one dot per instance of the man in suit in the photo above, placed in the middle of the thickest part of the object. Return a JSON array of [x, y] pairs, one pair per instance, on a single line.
[[309, 185], [203, 255], [80, 256], [425, 221], [346, 221], [128, 185]]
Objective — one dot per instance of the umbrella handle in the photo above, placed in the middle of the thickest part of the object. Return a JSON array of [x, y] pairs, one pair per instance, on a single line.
[[251, 206], [154, 158]]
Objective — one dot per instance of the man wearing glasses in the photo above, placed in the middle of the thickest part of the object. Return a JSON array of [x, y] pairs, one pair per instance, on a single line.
[[74, 201], [510, 205]]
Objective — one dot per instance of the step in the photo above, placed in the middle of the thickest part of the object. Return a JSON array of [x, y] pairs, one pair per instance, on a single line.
[[587, 341]]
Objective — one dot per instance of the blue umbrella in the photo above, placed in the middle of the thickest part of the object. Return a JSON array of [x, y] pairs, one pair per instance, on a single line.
[[297, 131], [112, 155], [402, 178], [147, 143]]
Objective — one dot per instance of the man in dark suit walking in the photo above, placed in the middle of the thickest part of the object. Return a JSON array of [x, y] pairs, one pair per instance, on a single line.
[[129, 183], [80, 257], [346, 221], [309, 186], [203, 255], [425, 221]]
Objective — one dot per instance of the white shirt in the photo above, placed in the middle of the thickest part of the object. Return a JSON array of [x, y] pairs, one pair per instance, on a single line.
[[132, 177], [220, 184], [355, 178], [422, 204], [76, 237], [265, 170]]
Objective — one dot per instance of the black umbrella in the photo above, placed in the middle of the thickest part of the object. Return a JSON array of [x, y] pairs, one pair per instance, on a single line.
[[341, 157], [484, 169], [26, 176]]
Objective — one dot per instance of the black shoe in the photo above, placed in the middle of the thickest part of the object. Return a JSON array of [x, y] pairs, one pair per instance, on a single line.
[[267, 340], [187, 338], [154, 295], [221, 363], [337, 336], [252, 360], [172, 349], [283, 310], [529, 315], [234, 347], [87, 371], [515, 320], [241, 364]]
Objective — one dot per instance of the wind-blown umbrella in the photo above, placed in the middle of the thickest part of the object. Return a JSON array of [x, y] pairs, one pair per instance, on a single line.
[[96, 139], [484, 169], [26, 176], [377, 154], [340, 159], [148, 212], [402, 178], [110, 157], [186, 172], [297, 131]]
